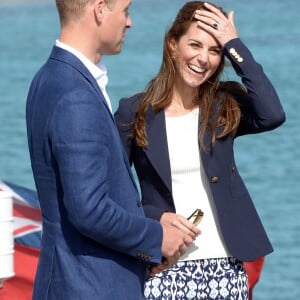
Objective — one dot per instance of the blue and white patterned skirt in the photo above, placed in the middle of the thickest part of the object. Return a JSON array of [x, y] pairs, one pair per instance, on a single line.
[[221, 278]]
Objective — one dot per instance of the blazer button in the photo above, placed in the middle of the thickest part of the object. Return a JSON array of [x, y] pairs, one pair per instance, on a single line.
[[214, 179], [232, 51]]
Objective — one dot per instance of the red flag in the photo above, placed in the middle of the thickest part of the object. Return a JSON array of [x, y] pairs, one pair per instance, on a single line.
[[20, 286], [27, 238], [253, 270]]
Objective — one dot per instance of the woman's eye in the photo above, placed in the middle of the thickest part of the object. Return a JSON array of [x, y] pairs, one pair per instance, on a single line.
[[216, 51], [194, 45]]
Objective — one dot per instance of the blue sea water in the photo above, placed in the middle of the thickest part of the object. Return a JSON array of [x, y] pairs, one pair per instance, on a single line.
[[269, 162]]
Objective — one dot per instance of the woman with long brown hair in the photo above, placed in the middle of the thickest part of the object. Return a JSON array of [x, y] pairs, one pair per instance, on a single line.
[[179, 134]]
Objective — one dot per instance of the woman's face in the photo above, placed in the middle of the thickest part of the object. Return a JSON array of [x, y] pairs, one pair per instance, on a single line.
[[197, 57]]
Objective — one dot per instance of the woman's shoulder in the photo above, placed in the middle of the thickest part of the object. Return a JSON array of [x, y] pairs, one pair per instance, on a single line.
[[128, 107], [131, 102]]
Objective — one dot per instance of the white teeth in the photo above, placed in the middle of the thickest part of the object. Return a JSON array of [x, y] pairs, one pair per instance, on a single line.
[[197, 69]]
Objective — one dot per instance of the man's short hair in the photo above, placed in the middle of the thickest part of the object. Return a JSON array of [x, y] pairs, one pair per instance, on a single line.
[[70, 9], [73, 9]]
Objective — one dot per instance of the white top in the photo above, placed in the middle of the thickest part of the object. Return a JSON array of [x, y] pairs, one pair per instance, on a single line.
[[99, 71], [190, 187]]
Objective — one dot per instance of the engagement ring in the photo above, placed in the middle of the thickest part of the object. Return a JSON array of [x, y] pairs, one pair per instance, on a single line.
[[215, 25]]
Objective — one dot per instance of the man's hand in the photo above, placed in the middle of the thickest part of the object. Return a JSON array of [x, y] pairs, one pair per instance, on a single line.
[[181, 223], [178, 234]]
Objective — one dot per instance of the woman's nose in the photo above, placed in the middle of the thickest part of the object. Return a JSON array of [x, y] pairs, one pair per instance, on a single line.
[[203, 55]]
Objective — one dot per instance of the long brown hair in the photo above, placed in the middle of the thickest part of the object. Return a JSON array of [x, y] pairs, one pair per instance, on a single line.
[[218, 106]]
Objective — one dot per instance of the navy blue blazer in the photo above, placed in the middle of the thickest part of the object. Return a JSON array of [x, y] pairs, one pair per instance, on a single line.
[[241, 227], [96, 241]]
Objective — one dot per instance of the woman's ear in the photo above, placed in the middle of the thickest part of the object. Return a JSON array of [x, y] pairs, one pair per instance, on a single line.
[[173, 48]]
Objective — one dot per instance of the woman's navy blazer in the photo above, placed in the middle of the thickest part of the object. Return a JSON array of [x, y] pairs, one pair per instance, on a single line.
[[240, 225]]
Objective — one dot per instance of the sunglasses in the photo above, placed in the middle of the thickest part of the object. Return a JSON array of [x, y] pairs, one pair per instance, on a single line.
[[196, 216]]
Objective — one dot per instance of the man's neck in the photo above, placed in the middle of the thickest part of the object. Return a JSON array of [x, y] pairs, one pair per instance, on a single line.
[[81, 42]]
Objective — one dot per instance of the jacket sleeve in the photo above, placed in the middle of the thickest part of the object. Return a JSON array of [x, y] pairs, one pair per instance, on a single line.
[[261, 108], [123, 119]]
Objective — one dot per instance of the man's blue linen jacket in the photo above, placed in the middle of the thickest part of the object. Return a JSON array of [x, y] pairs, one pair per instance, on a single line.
[[96, 241]]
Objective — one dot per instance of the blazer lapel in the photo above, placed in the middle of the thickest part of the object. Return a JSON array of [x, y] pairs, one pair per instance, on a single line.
[[67, 57], [205, 156], [157, 150]]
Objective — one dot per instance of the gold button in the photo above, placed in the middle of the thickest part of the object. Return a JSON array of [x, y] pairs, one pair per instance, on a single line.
[[214, 179]]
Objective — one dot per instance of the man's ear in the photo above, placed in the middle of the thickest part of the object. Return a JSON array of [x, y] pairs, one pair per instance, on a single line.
[[99, 9]]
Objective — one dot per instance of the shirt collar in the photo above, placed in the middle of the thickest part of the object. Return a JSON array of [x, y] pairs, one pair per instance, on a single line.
[[99, 71]]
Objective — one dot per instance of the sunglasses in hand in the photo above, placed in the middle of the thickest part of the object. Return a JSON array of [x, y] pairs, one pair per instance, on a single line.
[[196, 216]]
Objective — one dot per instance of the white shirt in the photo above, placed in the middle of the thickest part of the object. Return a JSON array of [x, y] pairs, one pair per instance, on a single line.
[[190, 187], [99, 72]]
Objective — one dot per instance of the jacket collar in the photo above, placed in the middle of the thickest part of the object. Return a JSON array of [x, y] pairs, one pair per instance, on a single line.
[[157, 140], [157, 150], [69, 58]]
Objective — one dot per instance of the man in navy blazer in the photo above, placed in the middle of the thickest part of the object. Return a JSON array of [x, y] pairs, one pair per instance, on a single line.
[[96, 241]]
